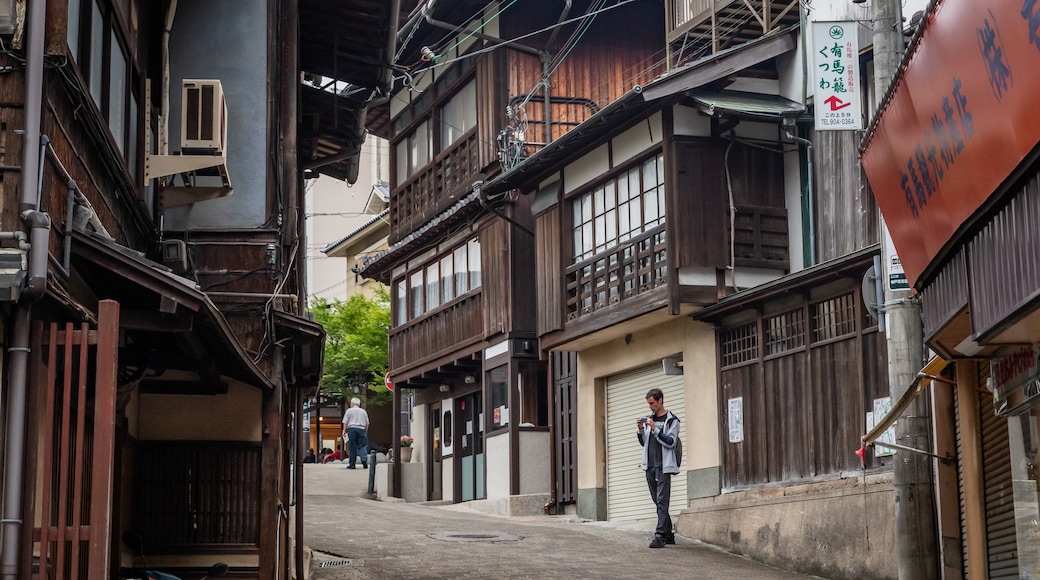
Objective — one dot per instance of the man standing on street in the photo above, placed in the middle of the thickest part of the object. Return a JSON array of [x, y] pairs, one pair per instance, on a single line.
[[355, 431], [658, 433]]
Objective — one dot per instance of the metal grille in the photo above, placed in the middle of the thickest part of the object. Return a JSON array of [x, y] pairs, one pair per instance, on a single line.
[[740, 344], [833, 318]]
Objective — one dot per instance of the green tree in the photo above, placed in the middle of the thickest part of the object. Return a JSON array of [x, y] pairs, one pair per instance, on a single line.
[[355, 344]]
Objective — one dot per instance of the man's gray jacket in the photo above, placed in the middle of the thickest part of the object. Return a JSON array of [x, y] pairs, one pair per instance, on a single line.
[[666, 436]]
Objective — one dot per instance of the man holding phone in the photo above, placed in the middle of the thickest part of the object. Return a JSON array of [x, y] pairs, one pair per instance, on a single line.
[[658, 433]]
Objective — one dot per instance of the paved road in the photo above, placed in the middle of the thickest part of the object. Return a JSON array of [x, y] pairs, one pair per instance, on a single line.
[[358, 537]]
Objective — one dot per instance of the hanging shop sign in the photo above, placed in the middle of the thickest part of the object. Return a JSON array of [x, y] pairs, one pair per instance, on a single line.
[[838, 99], [1014, 378], [961, 119]]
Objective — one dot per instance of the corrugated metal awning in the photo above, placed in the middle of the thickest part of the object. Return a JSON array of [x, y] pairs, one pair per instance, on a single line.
[[924, 378], [746, 104]]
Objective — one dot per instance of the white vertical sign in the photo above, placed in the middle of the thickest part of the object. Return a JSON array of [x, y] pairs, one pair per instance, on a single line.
[[838, 102]]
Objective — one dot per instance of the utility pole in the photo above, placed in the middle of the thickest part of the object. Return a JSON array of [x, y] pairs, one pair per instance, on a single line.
[[916, 535]]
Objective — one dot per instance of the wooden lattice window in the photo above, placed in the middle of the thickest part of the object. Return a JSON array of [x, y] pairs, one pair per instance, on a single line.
[[833, 318], [784, 332], [740, 344]]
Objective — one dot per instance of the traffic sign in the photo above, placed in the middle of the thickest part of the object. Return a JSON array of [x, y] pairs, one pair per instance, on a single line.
[[386, 381]]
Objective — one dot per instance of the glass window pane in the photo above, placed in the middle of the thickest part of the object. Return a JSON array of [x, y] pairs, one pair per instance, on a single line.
[[624, 224], [403, 169], [650, 173], [97, 39], [400, 302], [433, 290], [72, 36], [134, 140], [579, 245], [422, 144], [611, 227], [447, 280], [600, 232], [461, 271], [622, 190], [498, 384], [117, 93], [415, 290], [474, 263], [597, 201]]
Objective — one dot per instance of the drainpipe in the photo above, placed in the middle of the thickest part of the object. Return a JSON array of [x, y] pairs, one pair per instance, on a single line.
[[18, 352], [809, 191]]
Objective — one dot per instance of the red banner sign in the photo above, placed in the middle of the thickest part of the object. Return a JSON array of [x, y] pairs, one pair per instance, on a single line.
[[963, 117]]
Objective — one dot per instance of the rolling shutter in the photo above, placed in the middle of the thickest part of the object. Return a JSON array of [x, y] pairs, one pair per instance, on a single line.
[[627, 495], [1001, 539]]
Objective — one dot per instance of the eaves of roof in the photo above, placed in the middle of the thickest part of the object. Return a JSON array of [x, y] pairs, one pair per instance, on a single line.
[[364, 228], [640, 101], [847, 265]]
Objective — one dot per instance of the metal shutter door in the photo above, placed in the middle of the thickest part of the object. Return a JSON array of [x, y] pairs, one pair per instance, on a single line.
[[1001, 539], [627, 495]]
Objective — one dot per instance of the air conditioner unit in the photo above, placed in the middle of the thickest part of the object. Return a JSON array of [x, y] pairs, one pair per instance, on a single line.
[[203, 117]]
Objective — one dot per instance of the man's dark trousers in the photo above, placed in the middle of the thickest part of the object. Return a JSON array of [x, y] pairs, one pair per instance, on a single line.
[[660, 485], [358, 439]]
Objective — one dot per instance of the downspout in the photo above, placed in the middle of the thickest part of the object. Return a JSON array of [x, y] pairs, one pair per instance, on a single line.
[[164, 137], [18, 352], [809, 191]]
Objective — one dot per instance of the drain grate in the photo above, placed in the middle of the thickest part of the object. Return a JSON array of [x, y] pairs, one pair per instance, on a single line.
[[464, 537], [332, 563]]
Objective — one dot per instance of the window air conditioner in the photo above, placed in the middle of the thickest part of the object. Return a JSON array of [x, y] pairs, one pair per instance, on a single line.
[[203, 117]]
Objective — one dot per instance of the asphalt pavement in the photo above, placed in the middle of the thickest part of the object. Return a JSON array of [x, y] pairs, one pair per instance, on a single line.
[[351, 535]]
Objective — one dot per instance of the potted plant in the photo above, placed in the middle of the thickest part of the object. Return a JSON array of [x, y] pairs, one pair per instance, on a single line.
[[406, 448]]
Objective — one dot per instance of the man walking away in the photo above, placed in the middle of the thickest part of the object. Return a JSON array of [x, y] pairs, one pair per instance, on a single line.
[[658, 433], [355, 430]]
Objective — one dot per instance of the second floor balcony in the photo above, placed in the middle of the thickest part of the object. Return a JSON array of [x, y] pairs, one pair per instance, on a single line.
[[696, 28]]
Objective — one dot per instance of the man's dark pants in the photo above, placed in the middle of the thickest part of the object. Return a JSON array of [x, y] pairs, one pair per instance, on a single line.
[[358, 439], [660, 485]]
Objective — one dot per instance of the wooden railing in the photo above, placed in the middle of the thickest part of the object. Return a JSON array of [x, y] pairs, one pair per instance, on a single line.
[[683, 11], [438, 331], [434, 187], [624, 271]]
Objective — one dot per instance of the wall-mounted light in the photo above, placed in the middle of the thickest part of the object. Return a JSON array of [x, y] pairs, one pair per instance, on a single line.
[[444, 388], [470, 379]]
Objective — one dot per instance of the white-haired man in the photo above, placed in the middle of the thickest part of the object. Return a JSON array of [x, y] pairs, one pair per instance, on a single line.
[[355, 431]]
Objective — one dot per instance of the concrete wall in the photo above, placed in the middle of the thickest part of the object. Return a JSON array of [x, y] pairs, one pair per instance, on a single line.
[[534, 462], [226, 40], [496, 457], [696, 342], [842, 529]]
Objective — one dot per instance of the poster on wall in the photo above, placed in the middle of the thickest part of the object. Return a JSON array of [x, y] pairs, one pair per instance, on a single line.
[[837, 97], [882, 407], [736, 420]]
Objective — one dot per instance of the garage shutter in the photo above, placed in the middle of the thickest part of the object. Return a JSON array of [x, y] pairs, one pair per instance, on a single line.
[[627, 495], [1001, 539]]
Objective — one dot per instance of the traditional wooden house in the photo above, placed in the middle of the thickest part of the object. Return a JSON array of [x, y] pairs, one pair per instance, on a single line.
[[155, 350], [479, 81], [680, 244]]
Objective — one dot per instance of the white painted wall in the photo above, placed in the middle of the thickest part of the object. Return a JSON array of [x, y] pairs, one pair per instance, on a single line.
[[334, 209]]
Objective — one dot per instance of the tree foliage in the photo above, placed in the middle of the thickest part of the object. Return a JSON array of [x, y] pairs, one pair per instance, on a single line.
[[355, 343]]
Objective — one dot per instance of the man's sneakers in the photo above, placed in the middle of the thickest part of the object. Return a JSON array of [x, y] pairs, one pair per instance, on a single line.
[[659, 542]]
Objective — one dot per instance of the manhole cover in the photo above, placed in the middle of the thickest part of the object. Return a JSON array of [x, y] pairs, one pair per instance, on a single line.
[[464, 537], [332, 563]]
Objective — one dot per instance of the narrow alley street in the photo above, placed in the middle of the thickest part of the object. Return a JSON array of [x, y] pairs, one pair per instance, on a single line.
[[353, 536]]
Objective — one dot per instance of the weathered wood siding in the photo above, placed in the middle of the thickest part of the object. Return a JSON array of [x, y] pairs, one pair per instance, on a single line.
[[845, 211], [549, 272], [700, 202], [595, 69], [496, 277], [807, 376], [492, 97]]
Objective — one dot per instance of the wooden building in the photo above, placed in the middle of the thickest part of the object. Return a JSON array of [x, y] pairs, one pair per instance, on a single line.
[[679, 245], [155, 351], [460, 263]]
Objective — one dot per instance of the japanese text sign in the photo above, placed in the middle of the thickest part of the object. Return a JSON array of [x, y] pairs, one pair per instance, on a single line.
[[961, 119], [838, 101]]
